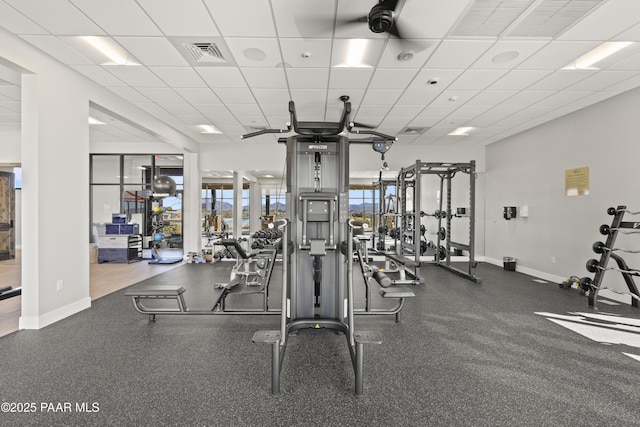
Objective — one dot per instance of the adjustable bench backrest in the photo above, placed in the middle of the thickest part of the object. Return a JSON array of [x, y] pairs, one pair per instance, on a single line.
[[234, 247]]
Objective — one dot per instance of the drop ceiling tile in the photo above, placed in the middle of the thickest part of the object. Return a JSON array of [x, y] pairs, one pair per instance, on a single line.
[[560, 99], [56, 48], [560, 80], [237, 19], [311, 18], [7, 105], [455, 98], [556, 55], [244, 109], [160, 94], [118, 17], [308, 78], [595, 98], [280, 97], [261, 78], [99, 75], [519, 79], [224, 77], [254, 52], [309, 97], [130, 94], [192, 119], [405, 110], [355, 97], [278, 122], [309, 111], [465, 113], [602, 80], [279, 109], [627, 63], [136, 76], [381, 96], [605, 22], [198, 95], [418, 97], [179, 77], [522, 48], [57, 16], [632, 34], [490, 117], [153, 51], [319, 51], [430, 19], [391, 79], [443, 77], [452, 54], [490, 97], [625, 85], [183, 18], [421, 50], [347, 78], [476, 79], [179, 108], [17, 23], [214, 112], [235, 95], [373, 111], [533, 111], [526, 98]]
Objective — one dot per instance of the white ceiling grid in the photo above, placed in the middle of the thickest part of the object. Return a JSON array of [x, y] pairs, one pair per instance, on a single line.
[[497, 65]]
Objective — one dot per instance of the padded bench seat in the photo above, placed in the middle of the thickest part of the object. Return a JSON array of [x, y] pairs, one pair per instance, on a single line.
[[401, 259], [156, 291], [396, 293]]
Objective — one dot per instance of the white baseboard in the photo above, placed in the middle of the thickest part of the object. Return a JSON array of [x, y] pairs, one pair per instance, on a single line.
[[39, 322], [530, 271]]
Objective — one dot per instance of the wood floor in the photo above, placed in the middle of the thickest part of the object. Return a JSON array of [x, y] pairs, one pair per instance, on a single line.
[[105, 279]]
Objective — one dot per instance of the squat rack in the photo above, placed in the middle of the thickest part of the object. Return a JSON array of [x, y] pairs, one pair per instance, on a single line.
[[408, 237]]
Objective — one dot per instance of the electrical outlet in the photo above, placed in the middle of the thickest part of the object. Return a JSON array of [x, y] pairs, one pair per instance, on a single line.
[[59, 285], [553, 260]]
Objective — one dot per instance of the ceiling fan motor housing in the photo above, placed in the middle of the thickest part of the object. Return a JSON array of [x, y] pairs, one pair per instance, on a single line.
[[380, 19]]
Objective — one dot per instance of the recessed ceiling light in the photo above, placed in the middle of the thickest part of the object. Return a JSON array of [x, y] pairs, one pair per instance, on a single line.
[[504, 57], [601, 52], [462, 131], [110, 49], [267, 176], [254, 54], [208, 129], [93, 121], [356, 54]]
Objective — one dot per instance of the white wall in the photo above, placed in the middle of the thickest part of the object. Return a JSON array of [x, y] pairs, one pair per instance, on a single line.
[[528, 169], [10, 146], [55, 196]]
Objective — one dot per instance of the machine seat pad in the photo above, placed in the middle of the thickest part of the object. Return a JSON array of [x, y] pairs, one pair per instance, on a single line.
[[402, 260], [155, 291], [396, 292]]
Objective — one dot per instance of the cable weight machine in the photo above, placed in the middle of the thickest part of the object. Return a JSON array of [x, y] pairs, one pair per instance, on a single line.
[[317, 289]]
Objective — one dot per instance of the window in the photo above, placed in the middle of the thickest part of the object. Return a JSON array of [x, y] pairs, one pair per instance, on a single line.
[[363, 202]]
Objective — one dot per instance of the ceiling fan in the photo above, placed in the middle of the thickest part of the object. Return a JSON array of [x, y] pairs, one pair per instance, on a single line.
[[380, 19]]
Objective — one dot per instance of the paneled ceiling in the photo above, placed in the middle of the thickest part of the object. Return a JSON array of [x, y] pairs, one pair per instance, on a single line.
[[496, 66]]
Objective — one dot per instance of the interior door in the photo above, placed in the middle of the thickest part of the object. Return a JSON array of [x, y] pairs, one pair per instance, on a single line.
[[7, 216]]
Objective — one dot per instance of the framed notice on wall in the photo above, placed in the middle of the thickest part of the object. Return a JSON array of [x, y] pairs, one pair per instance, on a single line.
[[576, 181]]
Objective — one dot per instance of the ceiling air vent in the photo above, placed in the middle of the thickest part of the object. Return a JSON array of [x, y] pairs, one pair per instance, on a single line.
[[522, 18], [205, 52], [413, 130]]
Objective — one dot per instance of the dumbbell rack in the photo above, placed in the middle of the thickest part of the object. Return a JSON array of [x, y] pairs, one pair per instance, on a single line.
[[606, 254]]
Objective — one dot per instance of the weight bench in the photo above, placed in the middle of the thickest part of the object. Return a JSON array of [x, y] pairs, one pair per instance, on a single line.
[[389, 290], [402, 262], [9, 292]]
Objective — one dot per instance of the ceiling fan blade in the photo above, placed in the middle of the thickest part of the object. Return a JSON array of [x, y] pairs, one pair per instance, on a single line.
[[345, 22]]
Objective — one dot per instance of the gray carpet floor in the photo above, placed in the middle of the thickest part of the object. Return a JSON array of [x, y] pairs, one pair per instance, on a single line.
[[463, 355]]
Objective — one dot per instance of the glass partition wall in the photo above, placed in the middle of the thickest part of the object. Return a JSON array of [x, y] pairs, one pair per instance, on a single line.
[[121, 184]]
